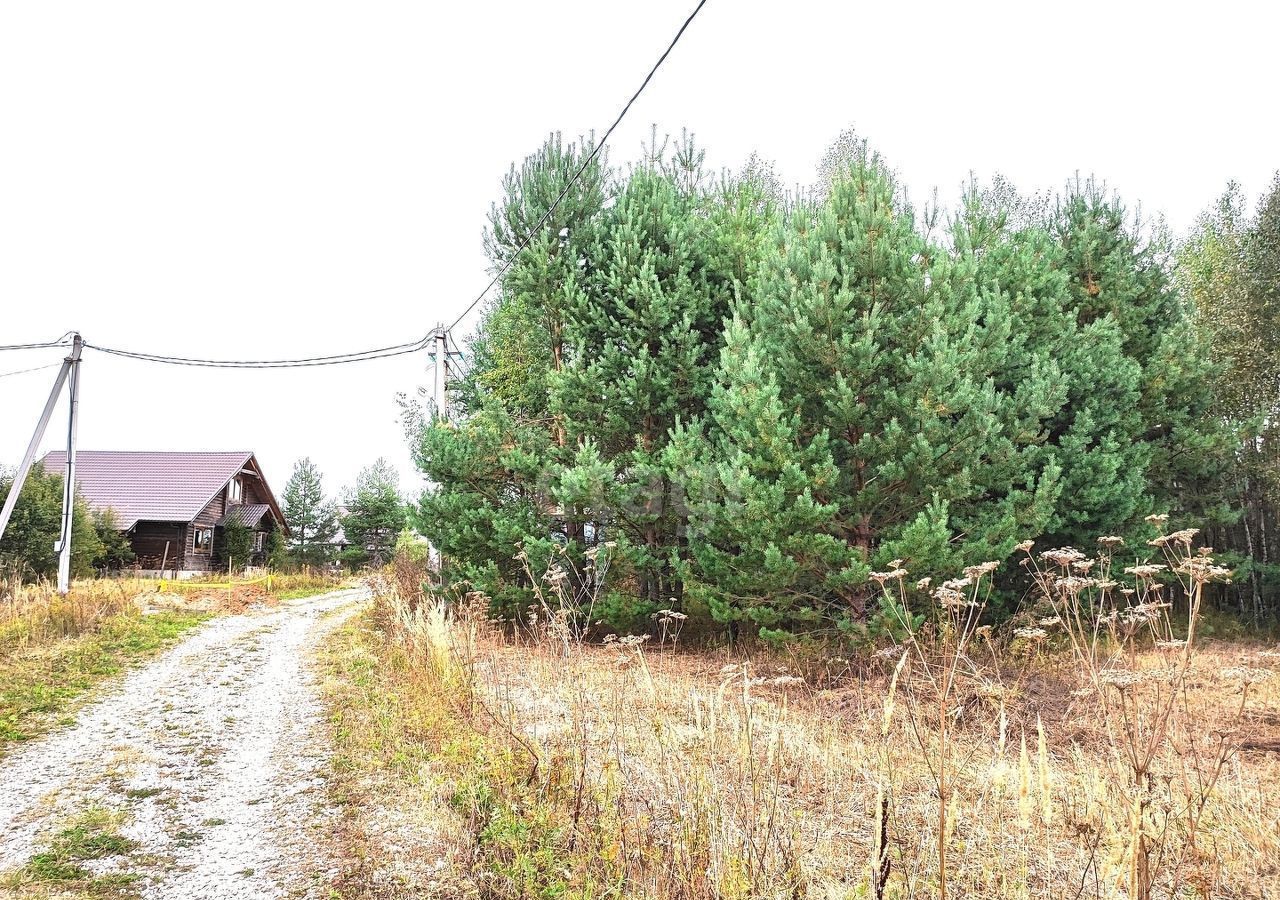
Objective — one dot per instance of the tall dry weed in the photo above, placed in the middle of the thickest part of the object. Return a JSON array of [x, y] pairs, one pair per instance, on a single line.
[[980, 763]]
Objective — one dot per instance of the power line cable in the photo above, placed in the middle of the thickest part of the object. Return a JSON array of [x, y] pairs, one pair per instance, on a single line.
[[304, 362], [595, 151], [64, 341], [32, 369], [413, 346]]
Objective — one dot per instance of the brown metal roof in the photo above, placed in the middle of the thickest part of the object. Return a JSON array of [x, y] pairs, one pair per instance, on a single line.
[[246, 514], [150, 486]]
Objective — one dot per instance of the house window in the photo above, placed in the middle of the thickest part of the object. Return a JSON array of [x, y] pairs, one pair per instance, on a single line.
[[204, 539], [259, 541], [237, 490]]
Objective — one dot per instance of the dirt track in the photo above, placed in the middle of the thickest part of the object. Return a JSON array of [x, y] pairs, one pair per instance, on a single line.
[[214, 755]]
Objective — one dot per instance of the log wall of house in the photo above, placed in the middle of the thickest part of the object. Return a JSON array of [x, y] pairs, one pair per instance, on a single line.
[[148, 540], [202, 560]]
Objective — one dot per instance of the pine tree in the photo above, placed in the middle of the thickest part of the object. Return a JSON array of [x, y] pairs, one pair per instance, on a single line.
[[1079, 464], [490, 472], [313, 520], [867, 335], [646, 330], [760, 530], [488, 500], [542, 280], [375, 514]]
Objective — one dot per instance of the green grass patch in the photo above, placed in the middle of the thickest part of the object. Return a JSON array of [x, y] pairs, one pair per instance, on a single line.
[[61, 866], [304, 592], [142, 793], [41, 683]]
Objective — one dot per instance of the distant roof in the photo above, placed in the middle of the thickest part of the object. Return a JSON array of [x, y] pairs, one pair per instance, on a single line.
[[152, 486], [246, 514]]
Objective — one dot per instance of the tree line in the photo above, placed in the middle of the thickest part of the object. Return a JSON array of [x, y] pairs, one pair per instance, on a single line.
[[360, 530], [363, 530], [755, 397]]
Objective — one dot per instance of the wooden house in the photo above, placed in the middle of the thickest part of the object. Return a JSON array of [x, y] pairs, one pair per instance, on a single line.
[[174, 505]]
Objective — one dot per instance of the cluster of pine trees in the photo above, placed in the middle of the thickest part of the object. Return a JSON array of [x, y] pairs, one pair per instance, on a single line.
[[362, 531], [757, 397]]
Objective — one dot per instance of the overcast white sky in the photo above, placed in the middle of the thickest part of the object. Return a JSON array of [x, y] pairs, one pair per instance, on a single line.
[[280, 179]]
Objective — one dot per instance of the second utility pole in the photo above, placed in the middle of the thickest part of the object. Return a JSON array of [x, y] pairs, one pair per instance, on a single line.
[[442, 360], [63, 545]]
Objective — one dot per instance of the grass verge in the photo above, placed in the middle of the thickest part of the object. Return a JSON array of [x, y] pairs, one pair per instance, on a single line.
[[397, 750], [41, 682], [62, 870]]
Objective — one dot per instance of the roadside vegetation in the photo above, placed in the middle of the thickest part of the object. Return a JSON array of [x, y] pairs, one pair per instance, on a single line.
[[54, 650], [758, 514], [63, 868], [759, 396], [1096, 746]]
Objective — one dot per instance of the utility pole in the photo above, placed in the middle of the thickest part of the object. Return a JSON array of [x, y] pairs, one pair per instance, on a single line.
[[63, 545], [442, 360], [71, 368]]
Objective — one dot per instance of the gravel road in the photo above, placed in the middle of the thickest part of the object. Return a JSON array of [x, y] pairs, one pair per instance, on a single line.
[[214, 754]]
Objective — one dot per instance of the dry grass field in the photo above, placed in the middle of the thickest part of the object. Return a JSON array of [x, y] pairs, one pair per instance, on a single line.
[[1084, 754]]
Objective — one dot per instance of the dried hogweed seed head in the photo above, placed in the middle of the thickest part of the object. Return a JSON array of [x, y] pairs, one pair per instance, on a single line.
[[1111, 540], [980, 570], [1247, 675], [1063, 556], [1146, 570], [1073, 584], [1201, 569], [1120, 679], [953, 599], [1025, 546]]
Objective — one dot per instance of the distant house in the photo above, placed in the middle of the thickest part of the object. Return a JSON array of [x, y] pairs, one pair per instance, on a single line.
[[174, 505]]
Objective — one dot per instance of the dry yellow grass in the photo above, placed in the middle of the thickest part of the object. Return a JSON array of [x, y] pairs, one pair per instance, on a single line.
[[625, 771]]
